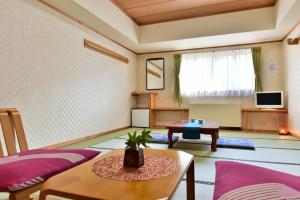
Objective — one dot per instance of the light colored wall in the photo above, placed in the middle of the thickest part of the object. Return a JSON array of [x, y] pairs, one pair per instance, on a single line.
[[217, 112], [292, 62], [63, 90], [271, 53], [282, 8]]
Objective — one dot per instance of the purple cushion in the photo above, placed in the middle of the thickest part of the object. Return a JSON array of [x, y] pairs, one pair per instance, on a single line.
[[31, 167], [233, 175]]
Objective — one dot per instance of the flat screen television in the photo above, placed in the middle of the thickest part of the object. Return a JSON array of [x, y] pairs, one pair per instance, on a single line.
[[269, 99]]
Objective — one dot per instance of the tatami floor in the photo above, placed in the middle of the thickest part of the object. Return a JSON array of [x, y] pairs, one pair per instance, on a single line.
[[272, 151]]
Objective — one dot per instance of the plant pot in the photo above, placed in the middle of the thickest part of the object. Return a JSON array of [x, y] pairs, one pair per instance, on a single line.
[[133, 158]]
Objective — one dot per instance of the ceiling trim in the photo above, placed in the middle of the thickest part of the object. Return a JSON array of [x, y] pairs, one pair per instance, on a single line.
[[85, 25], [213, 47]]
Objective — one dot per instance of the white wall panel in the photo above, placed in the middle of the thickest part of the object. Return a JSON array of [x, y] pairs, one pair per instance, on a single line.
[[63, 90], [292, 64]]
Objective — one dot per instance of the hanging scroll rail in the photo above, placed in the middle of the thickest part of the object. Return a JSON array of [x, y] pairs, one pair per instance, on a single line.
[[98, 48]]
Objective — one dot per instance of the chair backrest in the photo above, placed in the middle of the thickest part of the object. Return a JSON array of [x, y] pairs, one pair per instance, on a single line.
[[12, 128]]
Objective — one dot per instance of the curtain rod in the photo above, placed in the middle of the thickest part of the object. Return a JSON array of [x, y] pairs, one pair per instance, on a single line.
[[217, 50]]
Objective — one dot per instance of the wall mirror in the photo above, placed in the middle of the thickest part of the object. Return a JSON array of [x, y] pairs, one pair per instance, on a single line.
[[155, 74]]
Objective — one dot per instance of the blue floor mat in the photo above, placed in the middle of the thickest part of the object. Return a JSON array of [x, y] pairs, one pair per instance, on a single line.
[[162, 139], [235, 143]]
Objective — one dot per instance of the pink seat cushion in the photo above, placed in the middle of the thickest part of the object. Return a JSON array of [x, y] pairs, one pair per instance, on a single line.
[[233, 175], [28, 168]]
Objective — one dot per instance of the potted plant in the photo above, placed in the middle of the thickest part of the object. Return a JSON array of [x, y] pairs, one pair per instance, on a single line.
[[134, 155]]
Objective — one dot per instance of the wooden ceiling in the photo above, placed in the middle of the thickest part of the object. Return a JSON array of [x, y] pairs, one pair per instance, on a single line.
[[155, 11]]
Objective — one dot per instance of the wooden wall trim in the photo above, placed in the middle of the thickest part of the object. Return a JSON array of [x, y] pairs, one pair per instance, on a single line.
[[85, 25], [101, 49], [82, 139], [294, 41], [285, 37]]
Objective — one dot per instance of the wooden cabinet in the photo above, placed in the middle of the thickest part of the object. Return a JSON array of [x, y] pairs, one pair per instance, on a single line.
[[159, 116], [255, 119]]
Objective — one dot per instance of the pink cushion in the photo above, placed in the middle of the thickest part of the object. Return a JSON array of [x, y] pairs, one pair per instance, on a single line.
[[28, 168], [233, 175], [266, 191]]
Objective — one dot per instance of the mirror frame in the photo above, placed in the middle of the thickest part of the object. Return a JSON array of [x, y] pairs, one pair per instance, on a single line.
[[149, 59]]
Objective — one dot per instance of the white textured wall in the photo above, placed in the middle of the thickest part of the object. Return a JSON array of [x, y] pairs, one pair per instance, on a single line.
[[292, 63], [63, 90]]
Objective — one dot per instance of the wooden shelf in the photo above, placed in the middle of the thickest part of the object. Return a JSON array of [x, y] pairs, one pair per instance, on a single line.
[[147, 100], [274, 114], [141, 107], [169, 109], [142, 93], [144, 99], [264, 110]]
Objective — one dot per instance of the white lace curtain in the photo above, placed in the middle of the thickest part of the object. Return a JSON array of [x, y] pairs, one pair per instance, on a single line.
[[219, 73]]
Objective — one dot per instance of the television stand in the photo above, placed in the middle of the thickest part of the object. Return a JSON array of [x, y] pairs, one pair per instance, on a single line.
[[268, 108], [265, 119]]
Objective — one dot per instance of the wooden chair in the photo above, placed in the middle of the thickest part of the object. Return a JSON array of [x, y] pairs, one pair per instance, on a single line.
[[12, 128]]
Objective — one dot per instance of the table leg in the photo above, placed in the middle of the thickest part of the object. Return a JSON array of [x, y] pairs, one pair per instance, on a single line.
[[42, 196], [214, 137], [190, 182], [170, 135]]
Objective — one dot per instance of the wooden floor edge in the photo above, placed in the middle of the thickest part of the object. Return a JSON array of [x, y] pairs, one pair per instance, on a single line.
[[66, 143]]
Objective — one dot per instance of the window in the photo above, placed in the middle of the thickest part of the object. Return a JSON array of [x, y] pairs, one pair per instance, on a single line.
[[219, 73]]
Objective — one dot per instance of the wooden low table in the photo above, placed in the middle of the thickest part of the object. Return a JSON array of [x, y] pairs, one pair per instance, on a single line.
[[209, 128], [81, 183]]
